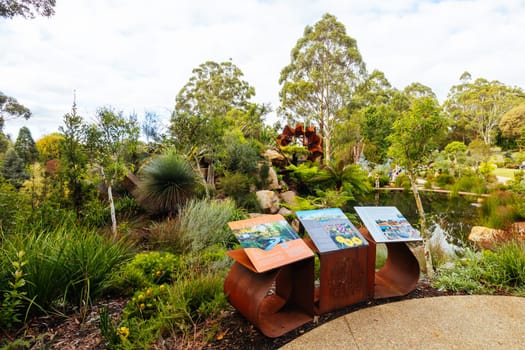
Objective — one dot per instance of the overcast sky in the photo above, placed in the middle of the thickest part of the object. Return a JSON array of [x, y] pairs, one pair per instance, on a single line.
[[137, 55]]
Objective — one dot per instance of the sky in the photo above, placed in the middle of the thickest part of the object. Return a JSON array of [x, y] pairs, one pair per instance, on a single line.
[[135, 56]]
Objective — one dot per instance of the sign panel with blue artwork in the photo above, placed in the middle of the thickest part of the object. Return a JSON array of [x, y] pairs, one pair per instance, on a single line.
[[387, 224], [330, 229]]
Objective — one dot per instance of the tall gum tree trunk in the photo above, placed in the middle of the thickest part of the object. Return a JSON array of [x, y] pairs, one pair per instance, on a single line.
[[423, 226]]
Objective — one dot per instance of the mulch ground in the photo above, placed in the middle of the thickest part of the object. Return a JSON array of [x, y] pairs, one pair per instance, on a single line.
[[234, 332]]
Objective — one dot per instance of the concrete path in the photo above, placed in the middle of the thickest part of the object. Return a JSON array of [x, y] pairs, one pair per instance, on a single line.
[[451, 322]]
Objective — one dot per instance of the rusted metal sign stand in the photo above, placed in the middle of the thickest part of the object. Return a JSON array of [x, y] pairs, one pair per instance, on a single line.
[[342, 278], [283, 299], [276, 301], [399, 274]]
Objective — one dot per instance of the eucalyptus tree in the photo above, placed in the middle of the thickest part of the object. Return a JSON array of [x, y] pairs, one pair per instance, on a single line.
[[110, 140], [513, 122], [11, 108], [476, 108], [27, 8], [417, 132], [325, 69], [215, 99], [201, 106]]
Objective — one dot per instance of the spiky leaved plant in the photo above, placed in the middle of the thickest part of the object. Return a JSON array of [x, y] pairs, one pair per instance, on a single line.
[[167, 182]]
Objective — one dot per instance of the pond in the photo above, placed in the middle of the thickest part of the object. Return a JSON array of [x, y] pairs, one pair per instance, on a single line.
[[448, 218]]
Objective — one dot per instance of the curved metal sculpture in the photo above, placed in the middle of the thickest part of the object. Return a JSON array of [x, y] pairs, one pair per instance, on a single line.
[[276, 301], [308, 137], [398, 276]]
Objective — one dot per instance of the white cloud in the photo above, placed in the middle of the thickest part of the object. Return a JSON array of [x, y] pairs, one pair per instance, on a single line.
[[136, 56]]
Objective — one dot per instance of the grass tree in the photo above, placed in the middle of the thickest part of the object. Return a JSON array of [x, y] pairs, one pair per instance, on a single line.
[[167, 182], [416, 135]]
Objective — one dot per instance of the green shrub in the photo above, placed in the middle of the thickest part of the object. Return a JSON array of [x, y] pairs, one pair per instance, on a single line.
[[166, 236], [14, 297], [241, 157], [487, 272], [470, 183], [15, 207], [235, 185], [146, 270], [402, 180], [444, 180], [464, 276], [146, 302], [199, 297], [505, 267], [68, 264], [172, 310], [203, 223], [500, 210], [127, 208], [212, 259]]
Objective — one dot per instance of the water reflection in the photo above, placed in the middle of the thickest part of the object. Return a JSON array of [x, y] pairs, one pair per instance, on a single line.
[[450, 218]]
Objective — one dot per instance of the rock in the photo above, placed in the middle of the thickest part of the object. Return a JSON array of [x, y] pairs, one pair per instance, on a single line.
[[288, 197], [268, 200], [284, 211], [485, 237], [274, 180], [274, 156]]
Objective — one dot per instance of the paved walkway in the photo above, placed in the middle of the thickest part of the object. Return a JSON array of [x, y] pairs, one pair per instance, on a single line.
[[451, 322]]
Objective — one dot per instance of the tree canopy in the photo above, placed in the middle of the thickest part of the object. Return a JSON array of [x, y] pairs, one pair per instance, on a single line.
[[11, 108], [513, 121], [25, 146], [27, 8], [325, 69], [476, 108], [214, 91]]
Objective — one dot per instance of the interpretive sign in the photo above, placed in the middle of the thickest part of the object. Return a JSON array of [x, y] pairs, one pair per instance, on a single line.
[[330, 229], [387, 224], [269, 242]]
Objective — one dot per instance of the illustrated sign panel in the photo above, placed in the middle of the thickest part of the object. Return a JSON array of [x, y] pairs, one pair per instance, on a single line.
[[330, 229], [387, 224], [269, 241]]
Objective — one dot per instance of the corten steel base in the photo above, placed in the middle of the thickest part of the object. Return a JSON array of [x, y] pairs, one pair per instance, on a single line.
[[342, 278], [276, 301], [398, 276]]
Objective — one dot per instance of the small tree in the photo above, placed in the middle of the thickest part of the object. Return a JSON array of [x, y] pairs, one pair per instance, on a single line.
[[13, 168], [25, 146], [416, 134], [109, 140]]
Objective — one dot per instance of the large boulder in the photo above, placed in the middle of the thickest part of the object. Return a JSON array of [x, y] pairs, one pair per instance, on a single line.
[[268, 200], [485, 237], [273, 180], [288, 197], [274, 156]]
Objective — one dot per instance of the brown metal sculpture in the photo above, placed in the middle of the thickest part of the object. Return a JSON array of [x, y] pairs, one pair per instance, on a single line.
[[308, 138], [276, 301], [399, 274]]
